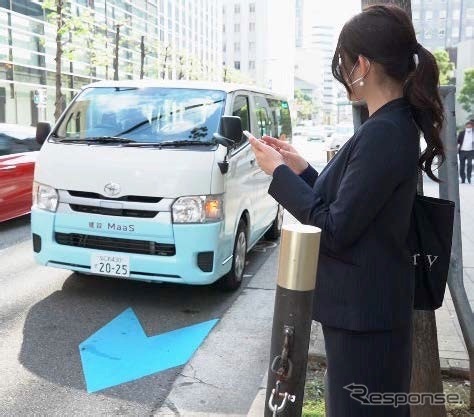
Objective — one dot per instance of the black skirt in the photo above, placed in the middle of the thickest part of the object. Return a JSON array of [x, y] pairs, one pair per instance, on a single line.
[[363, 365]]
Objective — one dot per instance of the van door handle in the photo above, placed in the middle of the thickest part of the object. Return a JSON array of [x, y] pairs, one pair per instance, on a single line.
[[252, 162]]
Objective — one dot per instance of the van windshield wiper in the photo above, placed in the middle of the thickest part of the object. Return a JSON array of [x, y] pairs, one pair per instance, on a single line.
[[99, 139], [170, 143]]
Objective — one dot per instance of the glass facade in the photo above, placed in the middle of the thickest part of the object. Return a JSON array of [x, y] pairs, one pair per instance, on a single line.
[[443, 24], [182, 40]]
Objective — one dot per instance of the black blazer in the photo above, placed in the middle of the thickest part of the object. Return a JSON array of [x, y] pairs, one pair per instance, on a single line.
[[461, 135], [362, 200]]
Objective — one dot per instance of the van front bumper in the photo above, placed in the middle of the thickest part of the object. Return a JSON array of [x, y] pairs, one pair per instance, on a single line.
[[197, 258]]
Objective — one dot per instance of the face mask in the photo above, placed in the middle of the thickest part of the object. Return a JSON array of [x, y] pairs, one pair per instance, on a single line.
[[469, 130]]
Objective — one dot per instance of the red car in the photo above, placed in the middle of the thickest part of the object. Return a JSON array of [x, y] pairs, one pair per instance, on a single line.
[[18, 148]]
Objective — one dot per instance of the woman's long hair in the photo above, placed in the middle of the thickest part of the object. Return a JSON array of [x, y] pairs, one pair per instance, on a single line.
[[384, 34]]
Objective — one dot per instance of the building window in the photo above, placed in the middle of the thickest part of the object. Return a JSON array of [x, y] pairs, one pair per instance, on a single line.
[[237, 27], [429, 15], [469, 31], [470, 13], [236, 8], [442, 14], [237, 65], [252, 26], [416, 15], [252, 7], [442, 33], [223, 47], [456, 14], [237, 47], [428, 34], [223, 28], [455, 33], [251, 46], [251, 65]]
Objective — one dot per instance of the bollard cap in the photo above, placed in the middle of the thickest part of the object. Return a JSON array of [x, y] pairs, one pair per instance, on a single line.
[[299, 254]]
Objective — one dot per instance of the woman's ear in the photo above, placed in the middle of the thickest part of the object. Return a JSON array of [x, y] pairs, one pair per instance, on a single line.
[[364, 65]]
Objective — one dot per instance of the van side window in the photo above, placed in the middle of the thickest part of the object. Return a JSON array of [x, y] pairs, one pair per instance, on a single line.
[[281, 118], [241, 109], [264, 120]]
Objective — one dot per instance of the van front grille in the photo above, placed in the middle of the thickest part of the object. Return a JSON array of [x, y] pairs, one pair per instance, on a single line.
[[129, 198], [143, 247], [145, 214]]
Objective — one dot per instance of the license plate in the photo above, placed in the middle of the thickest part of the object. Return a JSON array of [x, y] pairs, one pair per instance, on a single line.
[[112, 265]]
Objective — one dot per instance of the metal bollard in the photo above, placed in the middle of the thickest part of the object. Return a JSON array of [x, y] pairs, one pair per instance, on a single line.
[[298, 262]]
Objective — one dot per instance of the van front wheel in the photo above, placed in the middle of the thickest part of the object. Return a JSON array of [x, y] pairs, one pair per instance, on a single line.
[[275, 231], [233, 279]]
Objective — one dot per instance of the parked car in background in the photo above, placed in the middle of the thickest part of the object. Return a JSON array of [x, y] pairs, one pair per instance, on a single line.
[[18, 148], [341, 135]]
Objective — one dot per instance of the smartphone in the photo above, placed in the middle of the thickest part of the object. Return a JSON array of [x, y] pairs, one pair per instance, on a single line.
[[249, 135]]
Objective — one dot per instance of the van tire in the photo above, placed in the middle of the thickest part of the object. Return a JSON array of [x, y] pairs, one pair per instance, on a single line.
[[232, 280], [274, 232]]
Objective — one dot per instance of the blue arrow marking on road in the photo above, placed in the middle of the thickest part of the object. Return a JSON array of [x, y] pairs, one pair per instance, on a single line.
[[121, 351]]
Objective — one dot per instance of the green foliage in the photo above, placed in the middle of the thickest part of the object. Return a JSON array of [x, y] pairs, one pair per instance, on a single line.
[[466, 95], [232, 75], [314, 409], [305, 105], [446, 67]]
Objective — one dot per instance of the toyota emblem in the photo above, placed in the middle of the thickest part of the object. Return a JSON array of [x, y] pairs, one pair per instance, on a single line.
[[112, 189]]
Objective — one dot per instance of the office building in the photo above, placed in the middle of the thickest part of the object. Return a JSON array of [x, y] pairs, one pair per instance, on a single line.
[[182, 40], [259, 41], [442, 24]]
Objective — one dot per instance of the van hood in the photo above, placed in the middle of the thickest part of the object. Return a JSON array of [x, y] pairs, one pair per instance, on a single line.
[[167, 173]]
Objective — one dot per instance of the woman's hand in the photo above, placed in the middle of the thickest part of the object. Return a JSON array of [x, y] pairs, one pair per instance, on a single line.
[[290, 155], [268, 158]]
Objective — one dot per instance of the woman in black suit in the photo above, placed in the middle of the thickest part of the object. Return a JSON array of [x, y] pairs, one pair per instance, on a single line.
[[363, 201]]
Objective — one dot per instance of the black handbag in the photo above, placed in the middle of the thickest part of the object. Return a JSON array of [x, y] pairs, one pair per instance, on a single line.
[[430, 237]]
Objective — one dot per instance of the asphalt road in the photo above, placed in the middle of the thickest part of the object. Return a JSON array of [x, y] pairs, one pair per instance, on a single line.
[[14, 231], [46, 313]]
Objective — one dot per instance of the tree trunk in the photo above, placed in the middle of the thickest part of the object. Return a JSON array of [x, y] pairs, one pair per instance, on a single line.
[[142, 57], [426, 374], [59, 54], [116, 56]]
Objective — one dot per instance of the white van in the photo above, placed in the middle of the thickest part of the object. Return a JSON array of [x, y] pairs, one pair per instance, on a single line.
[[155, 181]]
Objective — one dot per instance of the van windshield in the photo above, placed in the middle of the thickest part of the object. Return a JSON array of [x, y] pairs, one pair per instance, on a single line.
[[147, 115]]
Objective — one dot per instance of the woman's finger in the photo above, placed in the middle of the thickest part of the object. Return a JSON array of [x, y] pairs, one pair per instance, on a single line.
[[275, 142]]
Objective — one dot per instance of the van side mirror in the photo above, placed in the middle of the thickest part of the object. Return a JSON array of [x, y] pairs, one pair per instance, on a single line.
[[43, 129], [230, 131]]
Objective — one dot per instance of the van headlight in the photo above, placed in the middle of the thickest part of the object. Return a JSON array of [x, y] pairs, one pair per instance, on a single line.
[[45, 197], [198, 209]]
